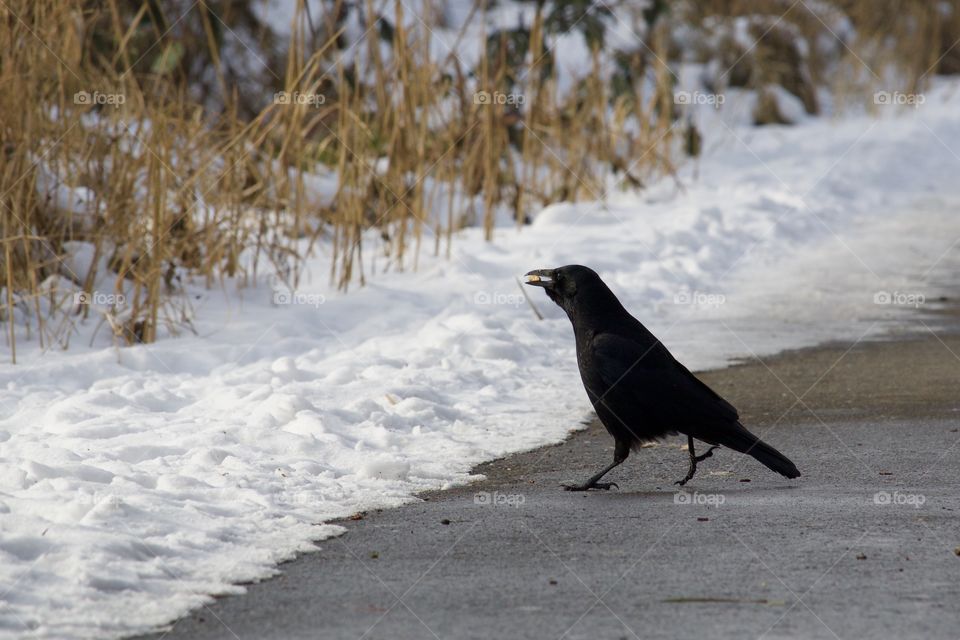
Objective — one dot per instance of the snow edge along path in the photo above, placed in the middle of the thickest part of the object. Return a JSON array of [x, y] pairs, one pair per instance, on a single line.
[[134, 483]]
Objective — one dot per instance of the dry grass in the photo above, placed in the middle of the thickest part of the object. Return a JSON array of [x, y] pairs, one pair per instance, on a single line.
[[174, 188]]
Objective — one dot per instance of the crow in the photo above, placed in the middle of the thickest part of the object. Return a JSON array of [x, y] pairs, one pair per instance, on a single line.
[[638, 389]]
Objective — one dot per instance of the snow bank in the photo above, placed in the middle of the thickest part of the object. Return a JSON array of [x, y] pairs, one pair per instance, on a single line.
[[135, 483]]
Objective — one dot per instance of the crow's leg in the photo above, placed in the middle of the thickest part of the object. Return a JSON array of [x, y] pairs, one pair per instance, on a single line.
[[620, 453], [694, 459]]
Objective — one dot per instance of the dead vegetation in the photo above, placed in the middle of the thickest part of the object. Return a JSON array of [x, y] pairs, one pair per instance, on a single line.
[[138, 155]]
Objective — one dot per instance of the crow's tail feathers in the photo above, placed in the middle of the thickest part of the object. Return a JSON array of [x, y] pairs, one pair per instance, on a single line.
[[739, 439]]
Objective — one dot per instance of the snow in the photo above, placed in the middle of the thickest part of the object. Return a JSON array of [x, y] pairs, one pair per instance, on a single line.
[[136, 483]]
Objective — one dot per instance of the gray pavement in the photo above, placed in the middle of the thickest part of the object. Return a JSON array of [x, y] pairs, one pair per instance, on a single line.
[[864, 545]]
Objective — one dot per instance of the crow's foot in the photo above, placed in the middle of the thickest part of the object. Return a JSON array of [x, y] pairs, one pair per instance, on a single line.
[[694, 459]]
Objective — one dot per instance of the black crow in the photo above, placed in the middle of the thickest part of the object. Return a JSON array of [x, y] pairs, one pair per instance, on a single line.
[[638, 389]]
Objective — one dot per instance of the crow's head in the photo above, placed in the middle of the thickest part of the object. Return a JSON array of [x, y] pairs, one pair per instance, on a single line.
[[577, 289]]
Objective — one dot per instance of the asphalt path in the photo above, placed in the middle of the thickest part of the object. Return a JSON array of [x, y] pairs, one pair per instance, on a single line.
[[865, 545]]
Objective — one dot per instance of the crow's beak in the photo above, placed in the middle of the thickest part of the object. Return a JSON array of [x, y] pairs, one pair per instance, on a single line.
[[540, 278]]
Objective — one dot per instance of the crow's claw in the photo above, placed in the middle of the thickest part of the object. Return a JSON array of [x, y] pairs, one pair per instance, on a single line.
[[694, 459], [708, 454], [586, 487]]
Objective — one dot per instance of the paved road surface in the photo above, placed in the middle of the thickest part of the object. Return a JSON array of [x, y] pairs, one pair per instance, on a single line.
[[864, 545]]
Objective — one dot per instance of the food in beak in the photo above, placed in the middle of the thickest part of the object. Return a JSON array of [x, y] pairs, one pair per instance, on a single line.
[[540, 277]]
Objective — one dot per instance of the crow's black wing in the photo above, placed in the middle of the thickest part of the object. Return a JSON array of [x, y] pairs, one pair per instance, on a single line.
[[646, 388], [642, 392]]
